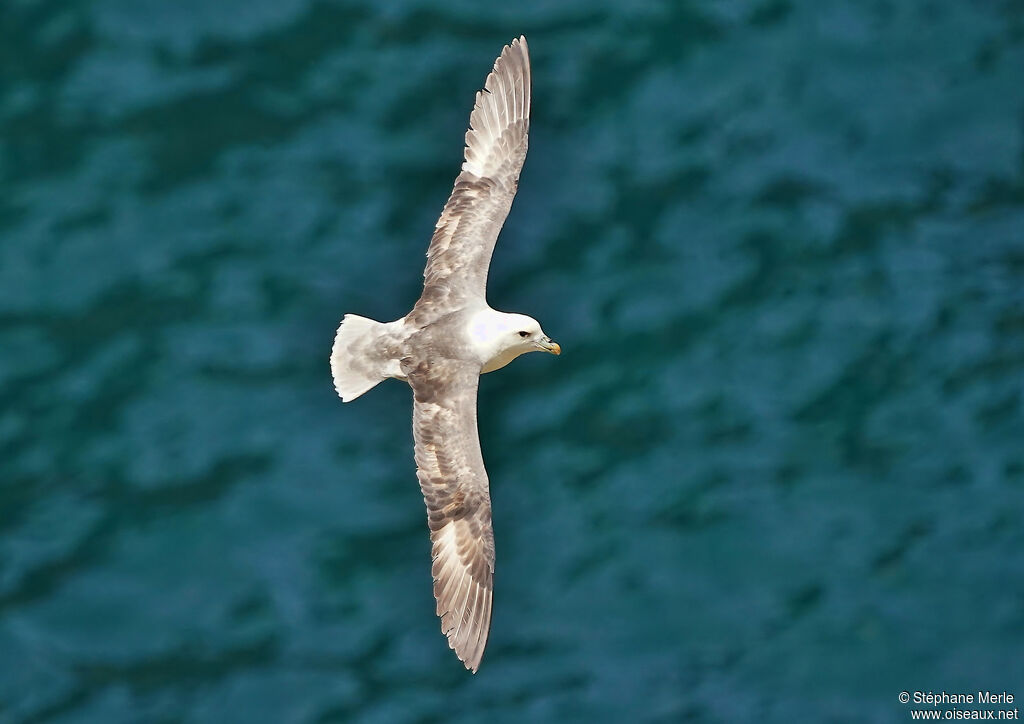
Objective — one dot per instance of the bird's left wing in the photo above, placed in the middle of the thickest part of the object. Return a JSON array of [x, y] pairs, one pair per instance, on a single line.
[[496, 142], [453, 480]]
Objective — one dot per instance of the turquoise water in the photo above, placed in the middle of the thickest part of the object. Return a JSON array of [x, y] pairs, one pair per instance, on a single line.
[[776, 475]]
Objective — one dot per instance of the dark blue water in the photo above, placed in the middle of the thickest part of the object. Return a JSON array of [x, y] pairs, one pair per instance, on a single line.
[[777, 474]]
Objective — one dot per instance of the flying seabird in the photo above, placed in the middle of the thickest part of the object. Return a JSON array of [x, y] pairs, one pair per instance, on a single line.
[[446, 342]]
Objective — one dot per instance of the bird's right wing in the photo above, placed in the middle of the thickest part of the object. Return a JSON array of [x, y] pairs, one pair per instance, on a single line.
[[460, 250], [453, 480]]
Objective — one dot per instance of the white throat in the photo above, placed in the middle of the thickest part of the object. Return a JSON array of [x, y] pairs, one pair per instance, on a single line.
[[492, 337]]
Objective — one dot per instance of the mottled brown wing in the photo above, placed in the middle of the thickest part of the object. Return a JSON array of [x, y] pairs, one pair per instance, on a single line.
[[453, 480], [460, 250]]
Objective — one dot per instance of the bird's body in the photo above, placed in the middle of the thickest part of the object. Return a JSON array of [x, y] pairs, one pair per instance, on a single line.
[[446, 342]]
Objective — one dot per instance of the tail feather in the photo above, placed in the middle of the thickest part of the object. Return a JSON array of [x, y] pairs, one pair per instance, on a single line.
[[356, 364]]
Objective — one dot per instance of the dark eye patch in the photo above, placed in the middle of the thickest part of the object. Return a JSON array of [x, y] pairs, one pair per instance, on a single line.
[[524, 334]]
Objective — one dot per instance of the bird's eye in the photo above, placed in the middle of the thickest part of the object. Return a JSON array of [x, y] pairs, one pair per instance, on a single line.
[[524, 334]]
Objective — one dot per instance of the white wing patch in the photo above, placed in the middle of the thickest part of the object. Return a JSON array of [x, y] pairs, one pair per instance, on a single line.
[[463, 604], [492, 138]]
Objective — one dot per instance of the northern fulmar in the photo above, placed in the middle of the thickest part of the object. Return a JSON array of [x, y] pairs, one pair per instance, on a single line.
[[446, 342]]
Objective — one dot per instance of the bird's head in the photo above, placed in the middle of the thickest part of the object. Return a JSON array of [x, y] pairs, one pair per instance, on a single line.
[[499, 338], [525, 335]]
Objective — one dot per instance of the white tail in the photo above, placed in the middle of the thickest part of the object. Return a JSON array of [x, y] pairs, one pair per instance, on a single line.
[[356, 364]]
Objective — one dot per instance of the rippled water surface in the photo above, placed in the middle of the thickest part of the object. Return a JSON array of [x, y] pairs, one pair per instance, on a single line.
[[777, 475]]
